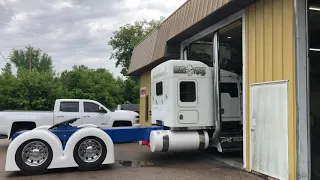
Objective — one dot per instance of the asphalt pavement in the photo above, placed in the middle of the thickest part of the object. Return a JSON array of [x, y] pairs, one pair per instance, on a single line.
[[135, 162]]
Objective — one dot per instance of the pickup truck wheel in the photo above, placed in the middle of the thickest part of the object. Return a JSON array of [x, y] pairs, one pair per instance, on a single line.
[[34, 156], [89, 153]]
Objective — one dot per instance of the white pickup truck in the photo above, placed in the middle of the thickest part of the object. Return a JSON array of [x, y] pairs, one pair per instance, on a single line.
[[88, 112]]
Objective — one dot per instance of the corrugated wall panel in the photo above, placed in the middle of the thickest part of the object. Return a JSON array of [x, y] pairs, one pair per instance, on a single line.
[[206, 8], [268, 73], [192, 11], [186, 20], [210, 6], [270, 57], [277, 43], [200, 9], [187, 15], [145, 81]]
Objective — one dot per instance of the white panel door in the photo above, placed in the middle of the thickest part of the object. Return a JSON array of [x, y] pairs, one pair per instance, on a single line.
[[269, 129]]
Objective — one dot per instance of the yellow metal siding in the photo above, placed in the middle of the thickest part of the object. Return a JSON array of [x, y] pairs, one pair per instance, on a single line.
[[190, 13], [270, 57], [145, 81]]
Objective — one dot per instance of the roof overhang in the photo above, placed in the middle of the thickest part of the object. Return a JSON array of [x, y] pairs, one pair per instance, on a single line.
[[153, 64], [211, 19]]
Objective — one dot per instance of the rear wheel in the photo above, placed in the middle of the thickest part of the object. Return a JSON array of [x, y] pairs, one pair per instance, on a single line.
[[34, 156], [89, 153]]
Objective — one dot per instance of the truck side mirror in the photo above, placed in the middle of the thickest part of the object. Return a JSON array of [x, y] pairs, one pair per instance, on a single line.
[[101, 110]]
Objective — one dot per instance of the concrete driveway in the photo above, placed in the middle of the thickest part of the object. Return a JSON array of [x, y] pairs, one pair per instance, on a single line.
[[136, 162]]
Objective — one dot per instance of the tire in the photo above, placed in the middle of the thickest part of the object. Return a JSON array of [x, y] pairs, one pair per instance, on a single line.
[[83, 156], [29, 159]]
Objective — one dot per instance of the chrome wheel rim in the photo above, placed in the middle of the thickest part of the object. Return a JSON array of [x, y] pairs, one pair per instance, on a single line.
[[35, 153], [90, 150]]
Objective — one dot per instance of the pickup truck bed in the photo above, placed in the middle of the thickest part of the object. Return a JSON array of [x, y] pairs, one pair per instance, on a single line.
[[23, 120]]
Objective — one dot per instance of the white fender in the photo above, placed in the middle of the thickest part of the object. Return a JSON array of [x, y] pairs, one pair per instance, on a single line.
[[87, 125], [42, 134], [84, 132], [42, 127]]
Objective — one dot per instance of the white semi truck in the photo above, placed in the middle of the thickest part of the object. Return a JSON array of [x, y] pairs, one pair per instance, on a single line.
[[186, 115], [183, 100]]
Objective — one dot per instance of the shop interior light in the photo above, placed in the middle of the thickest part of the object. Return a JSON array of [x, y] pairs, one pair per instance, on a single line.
[[229, 37], [314, 49], [314, 8]]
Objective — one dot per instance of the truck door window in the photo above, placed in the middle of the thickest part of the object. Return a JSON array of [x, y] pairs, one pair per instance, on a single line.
[[159, 89], [187, 91], [69, 106], [230, 88], [90, 107]]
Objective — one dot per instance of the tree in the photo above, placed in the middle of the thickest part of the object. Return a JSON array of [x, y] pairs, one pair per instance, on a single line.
[[96, 84], [31, 59], [29, 90], [34, 87], [7, 68], [131, 91], [125, 39]]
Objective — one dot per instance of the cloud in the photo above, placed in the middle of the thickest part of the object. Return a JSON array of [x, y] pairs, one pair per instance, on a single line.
[[73, 32]]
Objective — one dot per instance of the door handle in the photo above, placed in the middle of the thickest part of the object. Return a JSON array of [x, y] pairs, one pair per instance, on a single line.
[[86, 116], [60, 116]]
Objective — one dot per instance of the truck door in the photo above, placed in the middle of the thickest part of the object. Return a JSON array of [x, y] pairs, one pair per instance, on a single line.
[[91, 115], [68, 110], [230, 98]]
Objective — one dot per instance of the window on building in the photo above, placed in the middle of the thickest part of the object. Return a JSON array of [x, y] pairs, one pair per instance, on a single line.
[[187, 91], [159, 88], [201, 50], [90, 107], [69, 106], [230, 88]]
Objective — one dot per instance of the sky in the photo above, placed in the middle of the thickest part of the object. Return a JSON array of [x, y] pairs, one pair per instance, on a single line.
[[73, 32]]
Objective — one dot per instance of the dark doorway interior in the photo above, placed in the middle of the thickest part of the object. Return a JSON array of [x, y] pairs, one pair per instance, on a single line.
[[230, 62], [314, 81]]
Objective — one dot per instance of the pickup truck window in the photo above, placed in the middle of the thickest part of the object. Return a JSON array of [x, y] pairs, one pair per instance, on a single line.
[[90, 107], [69, 106]]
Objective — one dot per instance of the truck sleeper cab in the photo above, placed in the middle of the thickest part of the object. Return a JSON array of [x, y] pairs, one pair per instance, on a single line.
[[182, 95]]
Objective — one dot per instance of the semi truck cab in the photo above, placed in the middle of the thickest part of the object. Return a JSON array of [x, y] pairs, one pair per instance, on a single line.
[[183, 98]]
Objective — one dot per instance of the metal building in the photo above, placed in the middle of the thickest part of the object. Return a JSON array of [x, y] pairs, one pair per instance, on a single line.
[[276, 41]]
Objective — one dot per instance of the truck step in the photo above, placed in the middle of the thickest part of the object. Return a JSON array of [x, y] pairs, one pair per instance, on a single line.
[[229, 142]]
